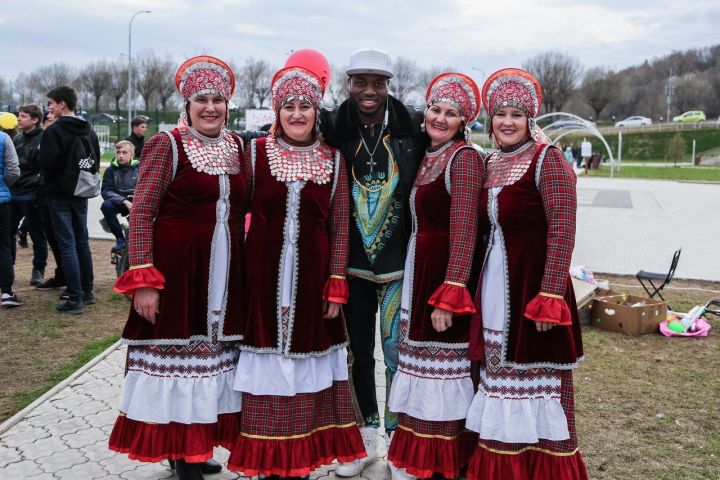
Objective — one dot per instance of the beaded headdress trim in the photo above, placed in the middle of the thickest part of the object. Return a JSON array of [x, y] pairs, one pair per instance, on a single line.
[[204, 75]]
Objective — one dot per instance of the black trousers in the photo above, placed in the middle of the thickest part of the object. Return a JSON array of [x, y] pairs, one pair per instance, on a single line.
[[52, 241], [7, 273], [361, 317]]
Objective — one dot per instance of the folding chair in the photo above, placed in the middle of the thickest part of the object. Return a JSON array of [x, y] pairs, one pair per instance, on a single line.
[[649, 278]]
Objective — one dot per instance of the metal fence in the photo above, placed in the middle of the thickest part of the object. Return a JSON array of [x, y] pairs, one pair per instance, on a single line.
[[663, 127]]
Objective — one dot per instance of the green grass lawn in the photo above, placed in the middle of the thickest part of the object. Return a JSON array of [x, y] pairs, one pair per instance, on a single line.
[[694, 174]]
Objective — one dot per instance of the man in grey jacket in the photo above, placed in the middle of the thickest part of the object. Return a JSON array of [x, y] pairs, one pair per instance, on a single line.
[[9, 173]]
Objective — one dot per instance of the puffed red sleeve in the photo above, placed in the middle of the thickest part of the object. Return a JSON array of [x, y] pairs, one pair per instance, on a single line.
[[336, 288], [557, 189], [465, 186], [153, 179]]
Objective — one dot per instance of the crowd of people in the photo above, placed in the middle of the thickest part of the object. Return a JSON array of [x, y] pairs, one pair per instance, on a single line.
[[261, 339], [48, 171]]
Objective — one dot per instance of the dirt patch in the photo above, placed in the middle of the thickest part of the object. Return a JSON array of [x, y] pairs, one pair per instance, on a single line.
[[39, 342], [647, 406]]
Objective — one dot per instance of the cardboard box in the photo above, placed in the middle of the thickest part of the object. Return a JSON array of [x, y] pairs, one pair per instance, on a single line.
[[628, 314], [585, 293]]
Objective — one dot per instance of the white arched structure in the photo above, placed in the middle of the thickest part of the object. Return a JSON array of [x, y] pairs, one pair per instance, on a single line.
[[566, 123]]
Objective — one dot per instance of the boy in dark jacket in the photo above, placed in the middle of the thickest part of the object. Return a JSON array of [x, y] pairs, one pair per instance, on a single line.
[[118, 186], [24, 190], [68, 213]]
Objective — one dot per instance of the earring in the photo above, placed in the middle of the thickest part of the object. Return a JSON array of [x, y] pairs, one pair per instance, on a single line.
[[422, 127]]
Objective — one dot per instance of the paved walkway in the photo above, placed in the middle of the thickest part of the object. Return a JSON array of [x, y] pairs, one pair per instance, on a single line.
[[65, 433], [628, 225]]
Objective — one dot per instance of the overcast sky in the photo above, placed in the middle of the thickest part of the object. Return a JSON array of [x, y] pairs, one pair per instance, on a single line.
[[465, 34]]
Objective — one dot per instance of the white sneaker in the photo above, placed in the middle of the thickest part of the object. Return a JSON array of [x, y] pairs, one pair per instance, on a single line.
[[399, 473], [351, 469]]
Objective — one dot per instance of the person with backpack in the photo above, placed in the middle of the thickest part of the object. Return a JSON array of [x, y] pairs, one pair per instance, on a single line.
[[70, 161]]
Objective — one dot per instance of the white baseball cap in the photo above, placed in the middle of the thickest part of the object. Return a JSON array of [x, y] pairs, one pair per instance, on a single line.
[[370, 60]]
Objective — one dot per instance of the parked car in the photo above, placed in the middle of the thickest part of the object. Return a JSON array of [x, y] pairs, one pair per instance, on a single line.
[[105, 118], [692, 116], [636, 121]]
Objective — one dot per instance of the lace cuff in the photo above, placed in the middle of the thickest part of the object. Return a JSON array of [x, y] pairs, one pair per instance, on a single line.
[[453, 297], [549, 308], [139, 277]]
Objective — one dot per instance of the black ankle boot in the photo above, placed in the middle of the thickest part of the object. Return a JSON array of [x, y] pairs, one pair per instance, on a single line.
[[209, 467], [187, 471]]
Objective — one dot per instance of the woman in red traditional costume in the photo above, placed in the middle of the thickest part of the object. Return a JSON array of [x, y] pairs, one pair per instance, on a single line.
[[297, 410], [524, 334], [432, 388], [184, 328]]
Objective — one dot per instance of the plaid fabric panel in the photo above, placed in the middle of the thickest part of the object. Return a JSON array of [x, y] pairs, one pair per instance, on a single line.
[[419, 427], [153, 179], [465, 186], [339, 218], [557, 188], [274, 416]]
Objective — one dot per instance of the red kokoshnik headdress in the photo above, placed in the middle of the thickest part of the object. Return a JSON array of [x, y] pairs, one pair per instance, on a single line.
[[203, 75], [513, 87], [455, 89], [296, 83]]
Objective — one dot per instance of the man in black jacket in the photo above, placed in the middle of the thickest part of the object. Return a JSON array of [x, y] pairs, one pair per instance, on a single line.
[[383, 146], [138, 125], [24, 190], [68, 212], [118, 186]]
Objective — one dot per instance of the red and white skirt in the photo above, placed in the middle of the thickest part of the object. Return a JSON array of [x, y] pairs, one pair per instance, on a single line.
[[178, 402], [424, 447], [525, 420], [291, 436]]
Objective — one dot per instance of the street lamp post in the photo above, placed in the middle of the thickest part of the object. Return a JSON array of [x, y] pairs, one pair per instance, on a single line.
[[130, 83]]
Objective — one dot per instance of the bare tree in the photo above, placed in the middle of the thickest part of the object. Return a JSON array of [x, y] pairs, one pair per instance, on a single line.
[[254, 83], [406, 78], [691, 92], [599, 86], [118, 83], [337, 91], [45, 78], [95, 78], [4, 91], [166, 86], [148, 76], [427, 75], [557, 74], [25, 91]]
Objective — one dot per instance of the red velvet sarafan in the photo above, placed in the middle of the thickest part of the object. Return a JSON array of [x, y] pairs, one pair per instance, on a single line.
[[432, 213], [182, 239], [310, 332], [525, 233]]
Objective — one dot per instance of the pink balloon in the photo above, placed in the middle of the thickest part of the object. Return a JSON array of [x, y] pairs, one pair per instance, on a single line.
[[313, 61]]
